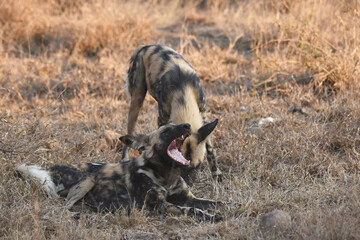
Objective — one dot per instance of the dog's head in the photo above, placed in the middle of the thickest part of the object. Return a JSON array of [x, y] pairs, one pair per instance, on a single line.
[[163, 145], [193, 147]]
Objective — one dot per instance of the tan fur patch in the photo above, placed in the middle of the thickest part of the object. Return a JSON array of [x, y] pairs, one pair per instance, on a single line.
[[111, 169], [188, 112], [197, 150]]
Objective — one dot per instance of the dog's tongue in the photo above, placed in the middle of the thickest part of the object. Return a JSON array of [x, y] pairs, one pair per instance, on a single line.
[[176, 154]]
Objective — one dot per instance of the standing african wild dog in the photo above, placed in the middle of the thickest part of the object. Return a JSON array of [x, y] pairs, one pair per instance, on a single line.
[[175, 85], [151, 180]]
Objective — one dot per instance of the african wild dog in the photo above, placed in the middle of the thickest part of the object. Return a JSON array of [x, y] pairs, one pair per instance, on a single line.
[[175, 85], [151, 180]]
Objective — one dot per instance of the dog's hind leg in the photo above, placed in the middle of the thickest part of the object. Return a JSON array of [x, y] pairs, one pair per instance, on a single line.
[[138, 92], [79, 190]]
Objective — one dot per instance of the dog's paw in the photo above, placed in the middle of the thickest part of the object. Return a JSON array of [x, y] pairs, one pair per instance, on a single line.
[[217, 175], [217, 218], [214, 218], [234, 204], [75, 215], [204, 216]]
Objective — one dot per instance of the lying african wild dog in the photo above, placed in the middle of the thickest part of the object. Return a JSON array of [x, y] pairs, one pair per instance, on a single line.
[[175, 85], [151, 180]]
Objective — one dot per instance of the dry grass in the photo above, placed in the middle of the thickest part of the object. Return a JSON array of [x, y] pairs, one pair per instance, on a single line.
[[62, 71]]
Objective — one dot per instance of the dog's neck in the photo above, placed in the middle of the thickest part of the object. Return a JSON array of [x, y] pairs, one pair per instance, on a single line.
[[166, 173], [186, 111]]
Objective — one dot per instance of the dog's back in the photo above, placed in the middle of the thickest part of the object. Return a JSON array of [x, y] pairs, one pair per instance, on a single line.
[[170, 79]]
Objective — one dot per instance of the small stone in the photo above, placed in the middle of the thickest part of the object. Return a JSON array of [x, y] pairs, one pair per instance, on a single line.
[[276, 220], [244, 108]]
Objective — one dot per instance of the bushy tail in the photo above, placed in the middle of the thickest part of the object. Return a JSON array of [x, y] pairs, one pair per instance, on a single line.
[[41, 176]]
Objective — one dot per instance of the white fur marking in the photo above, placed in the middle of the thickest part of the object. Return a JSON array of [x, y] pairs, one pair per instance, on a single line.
[[59, 187], [97, 164], [42, 176]]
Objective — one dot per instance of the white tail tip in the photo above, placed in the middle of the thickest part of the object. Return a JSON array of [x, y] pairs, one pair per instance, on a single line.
[[41, 176]]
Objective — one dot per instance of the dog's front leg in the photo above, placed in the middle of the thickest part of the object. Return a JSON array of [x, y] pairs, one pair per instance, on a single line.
[[156, 198], [181, 195], [164, 108], [192, 212], [201, 203], [79, 190], [211, 158]]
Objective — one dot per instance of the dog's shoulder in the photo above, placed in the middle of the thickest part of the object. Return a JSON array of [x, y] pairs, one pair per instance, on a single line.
[[110, 171]]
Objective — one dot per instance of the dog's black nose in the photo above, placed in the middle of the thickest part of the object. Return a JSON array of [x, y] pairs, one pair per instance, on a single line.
[[186, 126]]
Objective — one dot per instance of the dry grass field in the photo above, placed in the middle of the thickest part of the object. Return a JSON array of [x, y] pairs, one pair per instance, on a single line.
[[62, 88]]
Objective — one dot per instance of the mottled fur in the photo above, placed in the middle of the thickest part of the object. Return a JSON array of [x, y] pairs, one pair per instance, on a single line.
[[175, 85], [151, 180]]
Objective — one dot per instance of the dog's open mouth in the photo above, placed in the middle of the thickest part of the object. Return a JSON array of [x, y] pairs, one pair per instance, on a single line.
[[174, 150]]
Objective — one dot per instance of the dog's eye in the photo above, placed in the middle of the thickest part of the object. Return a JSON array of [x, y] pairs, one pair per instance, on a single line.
[[165, 131]]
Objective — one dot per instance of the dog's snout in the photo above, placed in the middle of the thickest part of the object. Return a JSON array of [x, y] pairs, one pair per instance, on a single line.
[[186, 126]]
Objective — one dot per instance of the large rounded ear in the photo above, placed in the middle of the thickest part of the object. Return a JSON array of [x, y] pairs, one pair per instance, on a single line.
[[205, 131], [138, 142]]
